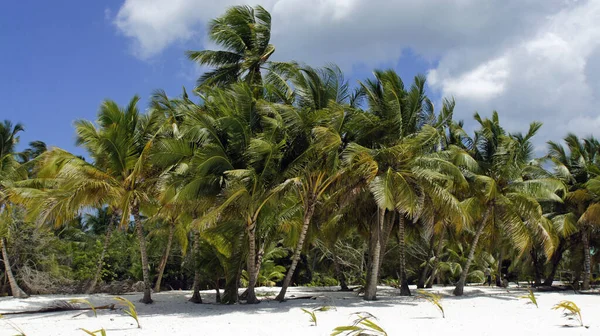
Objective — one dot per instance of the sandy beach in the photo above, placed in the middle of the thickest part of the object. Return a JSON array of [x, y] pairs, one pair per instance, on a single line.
[[482, 311]]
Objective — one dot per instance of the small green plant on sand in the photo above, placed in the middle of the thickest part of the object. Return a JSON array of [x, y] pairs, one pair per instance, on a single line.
[[84, 301], [433, 298], [130, 309], [362, 326], [312, 313], [531, 298], [14, 326], [100, 332], [570, 309]]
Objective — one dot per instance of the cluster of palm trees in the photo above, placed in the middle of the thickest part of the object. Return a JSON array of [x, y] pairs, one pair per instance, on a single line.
[[282, 153]]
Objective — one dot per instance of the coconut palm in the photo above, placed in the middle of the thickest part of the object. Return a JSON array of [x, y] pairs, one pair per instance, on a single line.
[[505, 191], [10, 171], [121, 175], [579, 168], [244, 33]]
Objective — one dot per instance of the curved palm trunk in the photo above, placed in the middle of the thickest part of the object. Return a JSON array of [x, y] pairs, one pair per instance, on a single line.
[[374, 255], [555, 260], [460, 286], [436, 265], [404, 290], [165, 258], [196, 298], [305, 225], [585, 238], [17, 292], [145, 266], [251, 264], [499, 269], [340, 275], [233, 272], [100, 263], [425, 271]]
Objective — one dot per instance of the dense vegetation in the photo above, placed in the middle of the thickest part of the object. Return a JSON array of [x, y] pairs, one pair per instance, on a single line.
[[276, 173]]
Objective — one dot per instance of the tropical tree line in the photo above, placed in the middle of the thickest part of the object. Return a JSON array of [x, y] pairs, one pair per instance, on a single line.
[[279, 173]]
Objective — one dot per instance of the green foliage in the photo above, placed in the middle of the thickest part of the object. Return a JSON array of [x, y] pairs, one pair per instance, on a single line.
[[570, 310], [363, 325], [13, 326], [87, 302], [531, 297], [312, 313], [434, 299], [100, 332], [129, 309]]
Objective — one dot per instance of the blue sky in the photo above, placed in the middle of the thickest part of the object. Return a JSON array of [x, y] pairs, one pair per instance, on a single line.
[[61, 59], [530, 60]]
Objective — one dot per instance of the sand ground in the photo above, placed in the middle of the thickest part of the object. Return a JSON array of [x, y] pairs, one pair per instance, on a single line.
[[482, 311]]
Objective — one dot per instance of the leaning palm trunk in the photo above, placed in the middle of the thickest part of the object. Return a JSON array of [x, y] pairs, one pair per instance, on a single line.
[[251, 264], [196, 298], [554, 261], [425, 271], [460, 286], [585, 237], [100, 263], [386, 231], [17, 292], [288, 278], [374, 255], [499, 269], [436, 264], [403, 281], [145, 267], [165, 258]]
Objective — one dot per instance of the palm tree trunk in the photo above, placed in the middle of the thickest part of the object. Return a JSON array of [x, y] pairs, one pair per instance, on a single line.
[[374, 254], [218, 292], [165, 258], [555, 260], [499, 269], [308, 213], [388, 225], [145, 266], [17, 292], [233, 272], [585, 238], [425, 271], [196, 298], [339, 274], [403, 281], [436, 264], [251, 264], [100, 263], [460, 286]]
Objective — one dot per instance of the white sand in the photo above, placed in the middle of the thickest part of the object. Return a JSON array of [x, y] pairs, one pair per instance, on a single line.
[[483, 311]]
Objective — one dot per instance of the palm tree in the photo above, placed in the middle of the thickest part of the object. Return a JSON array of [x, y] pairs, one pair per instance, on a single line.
[[121, 175], [244, 33], [10, 171], [579, 169], [505, 191]]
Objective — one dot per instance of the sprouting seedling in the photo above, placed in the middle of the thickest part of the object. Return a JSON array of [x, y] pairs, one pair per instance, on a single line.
[[100, 332], [130, 309], [435, 299], [312, 313], [531, 297], [363, 325], [570, 310], [313, 316], [14, 326], [84, 301]]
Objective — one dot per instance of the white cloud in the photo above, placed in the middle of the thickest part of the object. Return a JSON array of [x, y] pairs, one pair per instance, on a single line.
[[552, 75], [528, 59]]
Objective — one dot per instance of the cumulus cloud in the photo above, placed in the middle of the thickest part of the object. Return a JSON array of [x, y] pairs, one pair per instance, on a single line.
[[528, 59]]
